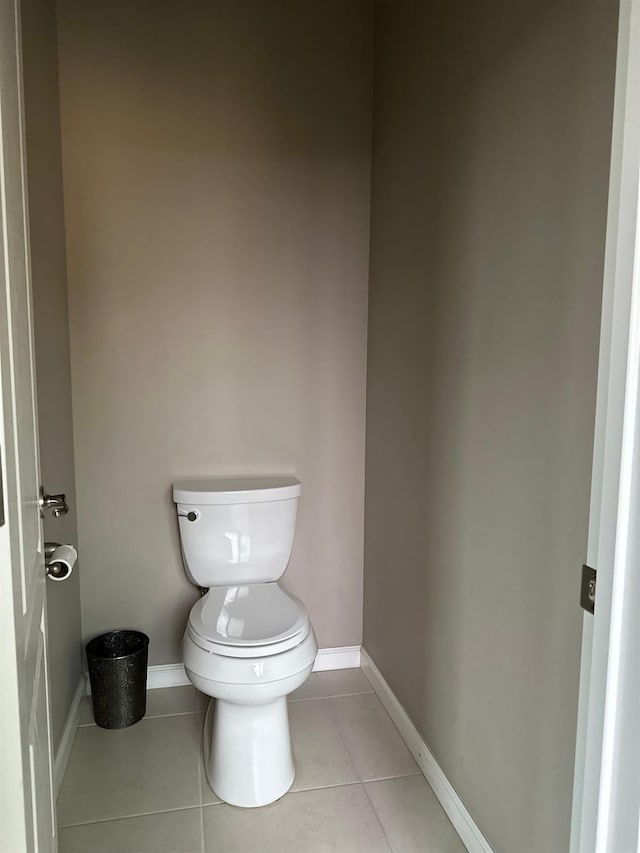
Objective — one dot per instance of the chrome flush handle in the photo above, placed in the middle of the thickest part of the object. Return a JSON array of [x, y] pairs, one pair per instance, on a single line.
[[56, 503], [194, 515]]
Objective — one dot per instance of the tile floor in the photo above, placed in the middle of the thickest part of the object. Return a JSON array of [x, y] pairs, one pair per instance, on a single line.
[[357, 788]]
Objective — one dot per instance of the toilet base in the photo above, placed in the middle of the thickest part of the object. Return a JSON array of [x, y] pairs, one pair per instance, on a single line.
[[247, 752]]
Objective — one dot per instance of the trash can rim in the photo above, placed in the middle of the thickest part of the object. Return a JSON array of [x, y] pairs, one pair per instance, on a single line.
[[138, 634]]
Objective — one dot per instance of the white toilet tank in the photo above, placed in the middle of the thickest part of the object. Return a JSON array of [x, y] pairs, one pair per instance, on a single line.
[[236, 530]]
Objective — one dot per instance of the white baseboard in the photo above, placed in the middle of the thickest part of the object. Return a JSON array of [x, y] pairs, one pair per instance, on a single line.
[[68, 735], [342, 657], [173, 674], [464, 824], [167, 675]]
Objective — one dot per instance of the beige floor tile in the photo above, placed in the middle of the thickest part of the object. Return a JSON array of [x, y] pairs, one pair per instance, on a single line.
[[336, 820], [171, 700], [168, 832], [373, 741], [337, 682], [86, 712], [160, 703], [149, 767], [413, 819], [319, 749]]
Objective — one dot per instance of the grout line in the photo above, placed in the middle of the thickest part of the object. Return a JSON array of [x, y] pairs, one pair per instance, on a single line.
[[364, 782], [200, 768], [378, 818], [203, 710], [324, 787], [202, 845], [332, 696], [200, 806], [129, 816], [417, 772], [291, 793], [203, 782], [343, 738], [148, 717]]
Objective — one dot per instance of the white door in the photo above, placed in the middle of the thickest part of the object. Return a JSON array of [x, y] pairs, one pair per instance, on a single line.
[[27, 814], [606, 804]]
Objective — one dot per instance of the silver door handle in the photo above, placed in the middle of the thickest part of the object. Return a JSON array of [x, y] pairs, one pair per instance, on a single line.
[[56, 503]]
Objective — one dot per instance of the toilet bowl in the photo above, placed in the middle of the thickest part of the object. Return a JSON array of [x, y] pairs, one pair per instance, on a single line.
[[247, 644], [247, 751]]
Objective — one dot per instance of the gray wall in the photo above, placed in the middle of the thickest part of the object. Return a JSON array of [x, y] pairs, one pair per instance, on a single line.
[[44, 165], [491, 152], [216, 170]]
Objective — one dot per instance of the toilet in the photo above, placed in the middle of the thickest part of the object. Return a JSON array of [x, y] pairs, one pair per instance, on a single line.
[[248, 644]]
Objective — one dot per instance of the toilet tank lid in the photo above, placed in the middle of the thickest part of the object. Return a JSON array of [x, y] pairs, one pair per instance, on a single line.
[[235, 490]]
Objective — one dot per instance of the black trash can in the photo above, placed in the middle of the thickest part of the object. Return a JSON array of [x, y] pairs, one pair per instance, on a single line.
[[118, 675]]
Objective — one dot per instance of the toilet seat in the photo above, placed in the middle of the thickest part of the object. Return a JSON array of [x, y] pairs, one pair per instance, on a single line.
[[248, 621]]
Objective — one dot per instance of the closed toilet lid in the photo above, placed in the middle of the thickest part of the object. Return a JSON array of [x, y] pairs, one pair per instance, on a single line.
[[246, 619]]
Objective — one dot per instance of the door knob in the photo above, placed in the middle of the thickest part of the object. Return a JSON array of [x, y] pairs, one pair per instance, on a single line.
[[56, 503]]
